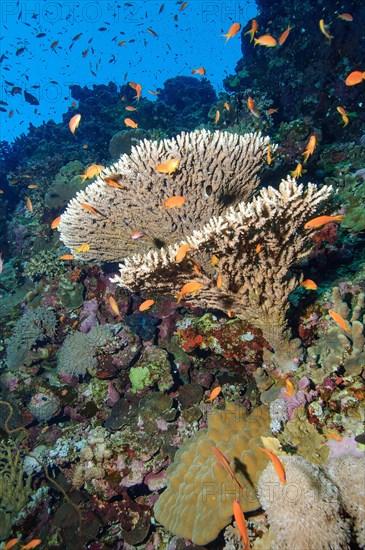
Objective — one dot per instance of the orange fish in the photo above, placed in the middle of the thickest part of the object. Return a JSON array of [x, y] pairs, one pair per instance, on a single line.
[[339, 320], [181, 253], [189, 288], [258, 248], [241, 524], [253, 30], [252, 107], [92, 171], [113, 183], [324, 31], [214, 393], [10, 544], [32, 544], [196, 267], [29, 205], [122, 43], [308, 284], [233, 30], [334, 436], [183, 6], [284, 36], [66, 257], [89, 208], [214, 261], [298, 171], [55, 222], [74, 123], [130, 108], [271, 111], [173, 202], [345, 17], [277, 464], [167, 167], [226, 106], [290, 389], [223, 460], [137, 88], [32, 186], [83, 248], [114, 306], [219, 280], [152, 92], [137, 234], [355, 78], [269, 158], [265, 40], [146, 305], [217, 117], [343, 114], [200, 71], [311, 145], [130, 123], [322, 220]]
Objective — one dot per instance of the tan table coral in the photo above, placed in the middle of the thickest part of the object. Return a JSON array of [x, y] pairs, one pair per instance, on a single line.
[[197, 503]]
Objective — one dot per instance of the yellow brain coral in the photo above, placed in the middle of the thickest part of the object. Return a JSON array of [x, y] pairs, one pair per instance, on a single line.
[[197, 502]]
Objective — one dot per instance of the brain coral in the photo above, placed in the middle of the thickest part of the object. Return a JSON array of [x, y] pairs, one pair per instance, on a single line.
[[305, 512], [197, 502]]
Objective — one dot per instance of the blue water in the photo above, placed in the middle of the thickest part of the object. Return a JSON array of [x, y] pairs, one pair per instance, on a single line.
[[191, 41]]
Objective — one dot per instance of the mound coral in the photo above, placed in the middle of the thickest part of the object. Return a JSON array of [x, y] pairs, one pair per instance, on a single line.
[[305, 512], [197, 503]]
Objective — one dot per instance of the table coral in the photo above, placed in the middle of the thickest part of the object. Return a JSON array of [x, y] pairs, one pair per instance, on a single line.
[[197, 503]]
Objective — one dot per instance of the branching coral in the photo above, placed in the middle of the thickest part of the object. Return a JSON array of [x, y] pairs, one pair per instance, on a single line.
[[15, 488], [305, 512], [197, 503], [215, 170]]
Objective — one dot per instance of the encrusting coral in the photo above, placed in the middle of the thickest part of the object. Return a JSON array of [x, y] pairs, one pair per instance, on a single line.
[[305, 512], [197, 503], [215, 170]]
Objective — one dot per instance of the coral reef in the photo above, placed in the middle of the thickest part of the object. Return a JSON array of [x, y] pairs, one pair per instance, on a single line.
[[65, 186], [199, 489]]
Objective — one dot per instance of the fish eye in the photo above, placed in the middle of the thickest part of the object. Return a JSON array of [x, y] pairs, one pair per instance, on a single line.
[[208, 190]]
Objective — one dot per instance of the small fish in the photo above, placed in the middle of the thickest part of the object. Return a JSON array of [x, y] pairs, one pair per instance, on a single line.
[[189, 288], [217, 117], [92, 171], [54, 44], [29, 98], [196, 267], [343, 114], [167, 167], [10, 544], [322, 220], [32, 544], [153, 93], [219, 280], [230, 313], [181, 253], [1, 262], [241, 524], [75, 38], [334, 436], [324, 31], [130, 108], [271, 111], [226, 106], [213, 394], [20, 51], [113, 183], [252, 107], [265, 40], [277, 464], [137, 88], [175, 201], [152, 32], [83, 248], [66, 257], [223, 460], [200, 71], [162, 7], [89, 208], [269, 158], [183, 6], [311, 145], [233, 30], [122, 43], [114, 306], [253, 30], [11, 113], [55, 222], [130, 123], [308, 284], [32, 186], [298, 171], [284, 35], [339, 320], [290, 388], [214, 260], [146, 305], [258, 248], [74, 123], [29, 205], [345, 17], [355, 78], [137, 234]]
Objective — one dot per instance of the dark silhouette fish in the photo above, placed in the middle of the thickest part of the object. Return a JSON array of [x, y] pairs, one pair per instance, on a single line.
[[29, 98]]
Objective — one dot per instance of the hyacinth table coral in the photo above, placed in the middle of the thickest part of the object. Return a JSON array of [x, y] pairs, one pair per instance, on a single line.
[[255, 243]]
